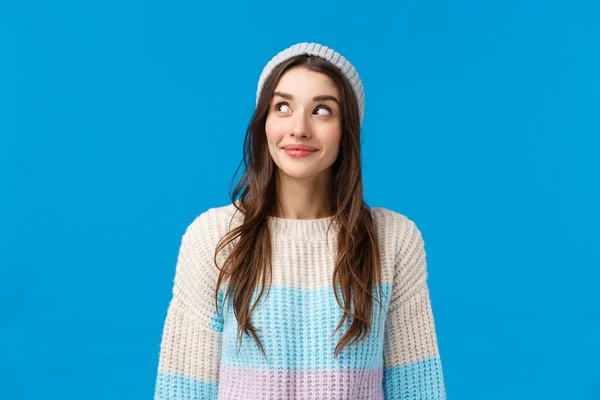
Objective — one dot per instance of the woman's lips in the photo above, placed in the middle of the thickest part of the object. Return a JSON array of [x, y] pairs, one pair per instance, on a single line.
[[298, 153]]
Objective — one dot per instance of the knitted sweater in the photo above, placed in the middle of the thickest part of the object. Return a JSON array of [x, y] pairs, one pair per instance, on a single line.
[[199, 358]]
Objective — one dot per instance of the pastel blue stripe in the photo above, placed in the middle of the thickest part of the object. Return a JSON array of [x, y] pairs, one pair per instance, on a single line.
[[172, 386], [217, 319], [295, 330], [416, 380]]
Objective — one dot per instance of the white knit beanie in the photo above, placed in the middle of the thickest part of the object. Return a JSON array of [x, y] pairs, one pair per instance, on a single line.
[[324, 52]]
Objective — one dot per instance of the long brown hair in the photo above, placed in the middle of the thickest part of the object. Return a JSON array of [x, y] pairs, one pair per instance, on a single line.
[[358, 263]]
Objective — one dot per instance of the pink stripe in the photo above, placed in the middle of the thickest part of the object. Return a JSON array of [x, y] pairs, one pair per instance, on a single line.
[[350, 384]]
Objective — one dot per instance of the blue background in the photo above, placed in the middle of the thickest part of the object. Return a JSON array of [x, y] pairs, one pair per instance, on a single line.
[[122, 121]]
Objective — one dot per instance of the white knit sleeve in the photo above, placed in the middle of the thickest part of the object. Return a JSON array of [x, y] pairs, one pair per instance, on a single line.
[[412, 363], [190, 349]]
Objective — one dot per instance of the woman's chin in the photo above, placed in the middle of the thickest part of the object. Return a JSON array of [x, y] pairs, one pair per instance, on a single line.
[[299, 173]]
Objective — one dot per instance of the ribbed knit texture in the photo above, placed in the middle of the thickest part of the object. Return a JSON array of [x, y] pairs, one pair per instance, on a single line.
[[398, 360]]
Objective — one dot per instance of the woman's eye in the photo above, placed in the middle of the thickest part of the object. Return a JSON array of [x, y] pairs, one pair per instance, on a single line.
[[278, 105], [328, 111]]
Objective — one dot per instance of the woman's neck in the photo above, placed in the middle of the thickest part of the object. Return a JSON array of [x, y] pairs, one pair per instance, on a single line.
[[302, 199]]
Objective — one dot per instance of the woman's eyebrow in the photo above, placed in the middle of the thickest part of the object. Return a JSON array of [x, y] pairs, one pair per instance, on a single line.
[[323, 97]]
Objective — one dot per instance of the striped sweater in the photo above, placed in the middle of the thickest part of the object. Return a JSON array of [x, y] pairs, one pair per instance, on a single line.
[[296, 316]]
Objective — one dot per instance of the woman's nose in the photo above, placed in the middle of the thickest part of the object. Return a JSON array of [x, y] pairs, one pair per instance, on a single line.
[[301, 125]]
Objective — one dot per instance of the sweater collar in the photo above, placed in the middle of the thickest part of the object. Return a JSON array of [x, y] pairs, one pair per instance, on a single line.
[[303, 229]]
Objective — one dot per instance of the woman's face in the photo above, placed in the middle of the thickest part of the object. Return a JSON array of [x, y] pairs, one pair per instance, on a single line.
[[306, 110]]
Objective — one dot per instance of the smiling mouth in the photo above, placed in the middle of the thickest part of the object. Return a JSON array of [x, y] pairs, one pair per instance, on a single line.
[[298, 152]]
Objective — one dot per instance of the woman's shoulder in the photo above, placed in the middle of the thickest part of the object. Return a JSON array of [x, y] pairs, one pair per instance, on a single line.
[[394, 227], [213, 223], [391, 219], [218, 214]]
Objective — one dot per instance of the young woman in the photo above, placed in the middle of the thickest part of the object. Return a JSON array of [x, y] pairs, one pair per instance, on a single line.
[[297, 289]]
